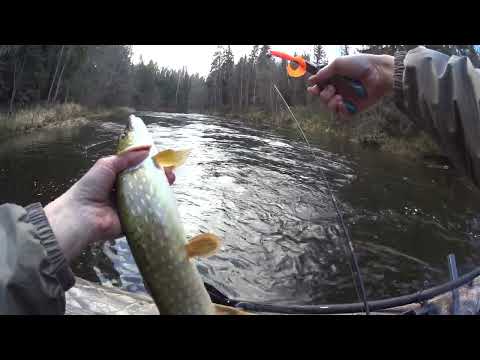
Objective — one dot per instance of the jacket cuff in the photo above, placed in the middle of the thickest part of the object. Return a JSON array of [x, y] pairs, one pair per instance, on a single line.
[[398, 71], [61, 269]]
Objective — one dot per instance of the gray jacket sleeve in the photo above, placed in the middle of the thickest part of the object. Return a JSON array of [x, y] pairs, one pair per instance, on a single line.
[[441, 94], [34, 274]]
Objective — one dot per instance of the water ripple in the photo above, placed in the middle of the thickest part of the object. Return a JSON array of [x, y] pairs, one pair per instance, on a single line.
[[263, 193]]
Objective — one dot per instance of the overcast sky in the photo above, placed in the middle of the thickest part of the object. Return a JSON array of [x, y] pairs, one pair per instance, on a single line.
[[198, 58]]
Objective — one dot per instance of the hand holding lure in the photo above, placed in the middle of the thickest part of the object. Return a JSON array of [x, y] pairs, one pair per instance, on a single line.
[[305, 66]]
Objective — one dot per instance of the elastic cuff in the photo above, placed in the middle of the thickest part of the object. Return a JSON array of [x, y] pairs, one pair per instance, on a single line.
[[398, 71], [61, 269]]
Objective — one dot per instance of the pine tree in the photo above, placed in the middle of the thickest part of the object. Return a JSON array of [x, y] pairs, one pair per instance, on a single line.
[[344, 50], [265, 68], [215, 78], [319, 54], [228, 63], [252, 74]]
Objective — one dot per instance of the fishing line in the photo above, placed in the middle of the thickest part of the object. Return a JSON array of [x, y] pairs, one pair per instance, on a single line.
[[353, 259], [86, 148]]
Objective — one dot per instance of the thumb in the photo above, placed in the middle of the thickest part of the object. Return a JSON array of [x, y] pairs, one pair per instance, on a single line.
[[323, 75], [118, 163], [103, 174], [352, 66]]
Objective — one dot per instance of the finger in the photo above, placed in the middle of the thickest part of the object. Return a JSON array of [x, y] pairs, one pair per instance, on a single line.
[[170, 174], [104, 173], [327, 94], [342, 109], [126, 160], [314, 90], [334, 102], [112, 202], [323, 75]]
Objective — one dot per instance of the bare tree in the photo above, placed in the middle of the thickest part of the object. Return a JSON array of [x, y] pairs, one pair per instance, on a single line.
[[180, 75], [60, 53], [59, 81], [16, 80]]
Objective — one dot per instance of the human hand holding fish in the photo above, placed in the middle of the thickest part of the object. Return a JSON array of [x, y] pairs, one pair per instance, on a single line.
[[145, 209], [86, 213]]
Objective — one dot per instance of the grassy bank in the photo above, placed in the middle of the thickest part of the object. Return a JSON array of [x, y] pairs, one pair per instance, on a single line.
[[102, 113], [26, 120], [383, 128]]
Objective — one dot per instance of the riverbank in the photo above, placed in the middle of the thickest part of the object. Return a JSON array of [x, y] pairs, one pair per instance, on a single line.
[[383, 128], [26, 120]]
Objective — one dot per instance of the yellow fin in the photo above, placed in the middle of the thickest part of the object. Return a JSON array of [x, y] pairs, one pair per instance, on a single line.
[[202, 245], [227, 310], [171, 158]]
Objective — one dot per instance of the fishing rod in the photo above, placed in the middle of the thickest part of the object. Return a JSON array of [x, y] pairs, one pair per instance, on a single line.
[[303, 67], [418, 297]]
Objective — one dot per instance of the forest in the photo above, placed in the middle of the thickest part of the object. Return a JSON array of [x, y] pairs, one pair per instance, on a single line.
[[90, 75], [105, 76]]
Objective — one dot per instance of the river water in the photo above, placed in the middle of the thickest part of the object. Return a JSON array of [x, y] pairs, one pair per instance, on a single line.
[[262, 192]]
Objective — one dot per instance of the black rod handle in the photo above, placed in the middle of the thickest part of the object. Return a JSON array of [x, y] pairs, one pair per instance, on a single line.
[[356, 85]]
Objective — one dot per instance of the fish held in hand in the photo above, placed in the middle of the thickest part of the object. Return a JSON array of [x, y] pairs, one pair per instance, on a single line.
[[154, 230]]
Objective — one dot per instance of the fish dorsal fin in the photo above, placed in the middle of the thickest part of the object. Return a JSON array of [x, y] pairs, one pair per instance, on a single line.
[[202, 245], [228, 310], [171, 158]]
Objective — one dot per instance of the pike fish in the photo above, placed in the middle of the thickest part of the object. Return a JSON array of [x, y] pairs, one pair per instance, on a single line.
[[151, 221]]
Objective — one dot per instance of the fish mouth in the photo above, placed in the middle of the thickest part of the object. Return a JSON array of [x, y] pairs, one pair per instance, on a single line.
[[134, 148], [135, 136]]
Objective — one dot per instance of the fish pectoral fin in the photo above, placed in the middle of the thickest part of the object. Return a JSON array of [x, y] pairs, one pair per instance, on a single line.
[[171, 158], [203, 245], [228, 310]]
